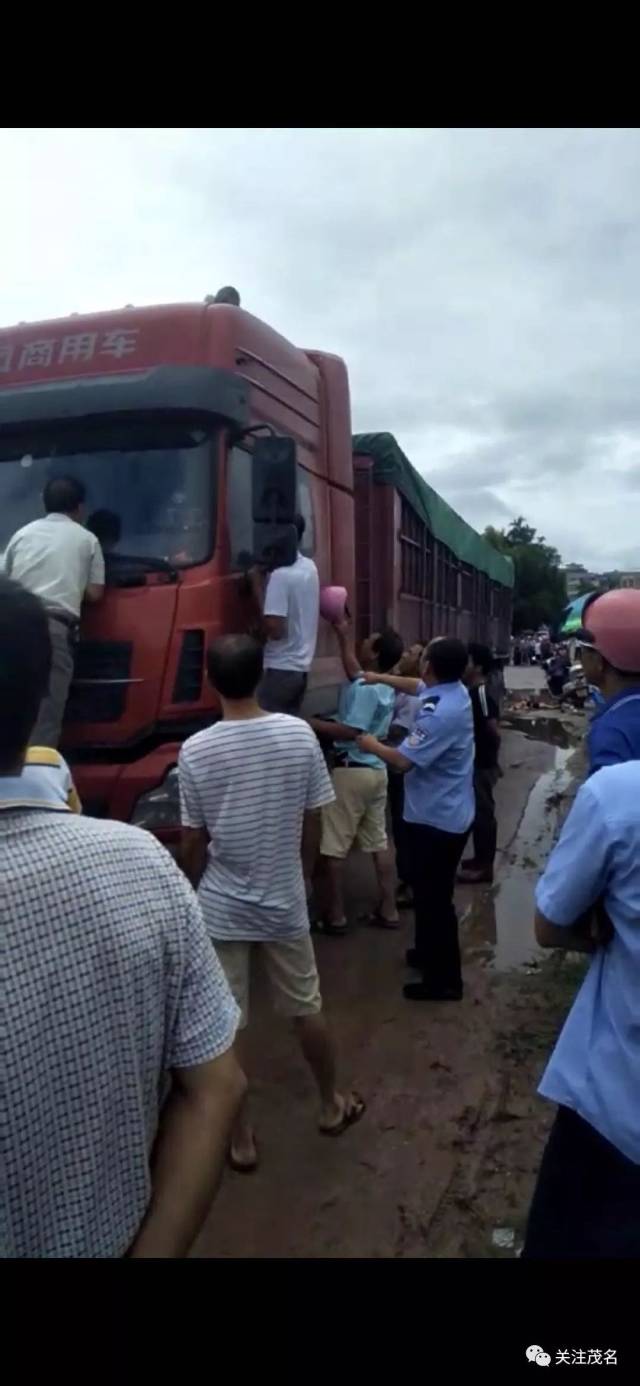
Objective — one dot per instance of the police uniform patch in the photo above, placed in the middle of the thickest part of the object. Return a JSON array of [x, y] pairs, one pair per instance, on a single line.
[[430, 704], [417, 737]]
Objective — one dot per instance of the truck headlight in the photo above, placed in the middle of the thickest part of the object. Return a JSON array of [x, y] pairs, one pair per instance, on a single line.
[[159, 807]]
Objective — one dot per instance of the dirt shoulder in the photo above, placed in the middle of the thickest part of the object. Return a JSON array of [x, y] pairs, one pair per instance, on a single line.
[[485, 1208]]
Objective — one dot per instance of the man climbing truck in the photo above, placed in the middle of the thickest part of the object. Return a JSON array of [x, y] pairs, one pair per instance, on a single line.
[[201, 432]]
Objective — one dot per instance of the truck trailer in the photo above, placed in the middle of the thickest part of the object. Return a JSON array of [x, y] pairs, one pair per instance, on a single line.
[[163, 413]]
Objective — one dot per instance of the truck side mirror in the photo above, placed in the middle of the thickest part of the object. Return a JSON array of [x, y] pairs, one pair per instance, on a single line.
[[273, 501], [274, 481]]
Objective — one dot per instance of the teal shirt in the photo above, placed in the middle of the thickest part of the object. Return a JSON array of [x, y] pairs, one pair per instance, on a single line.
[[369, 708]]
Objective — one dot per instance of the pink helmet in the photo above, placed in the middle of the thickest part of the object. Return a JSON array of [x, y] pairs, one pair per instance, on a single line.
[[333, 602], [612, 627]]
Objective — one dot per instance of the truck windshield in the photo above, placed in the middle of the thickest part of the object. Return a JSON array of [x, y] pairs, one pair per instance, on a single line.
[[150, 487]]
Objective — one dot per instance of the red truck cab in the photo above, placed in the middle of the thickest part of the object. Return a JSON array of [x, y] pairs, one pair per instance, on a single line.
[[155, 410]]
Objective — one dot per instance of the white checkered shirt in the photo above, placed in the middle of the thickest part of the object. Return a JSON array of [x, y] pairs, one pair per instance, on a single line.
[[109, 980]]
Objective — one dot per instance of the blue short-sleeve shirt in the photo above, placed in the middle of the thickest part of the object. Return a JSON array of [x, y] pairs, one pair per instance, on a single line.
[[614, 734], [367, 707], [595, 1066], [438, 792]]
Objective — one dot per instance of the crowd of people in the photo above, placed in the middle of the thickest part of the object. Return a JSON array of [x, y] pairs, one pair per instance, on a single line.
[[128, 976]]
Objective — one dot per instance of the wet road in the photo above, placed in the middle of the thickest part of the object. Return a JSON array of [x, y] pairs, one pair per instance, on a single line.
[[427, 1071], [525, 678]]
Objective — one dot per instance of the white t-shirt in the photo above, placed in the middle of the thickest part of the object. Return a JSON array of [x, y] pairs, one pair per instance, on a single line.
[[56, 559], [293, 593], [249, 784]]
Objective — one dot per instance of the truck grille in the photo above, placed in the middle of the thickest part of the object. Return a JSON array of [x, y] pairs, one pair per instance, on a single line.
[[188, 685], [100, 681]]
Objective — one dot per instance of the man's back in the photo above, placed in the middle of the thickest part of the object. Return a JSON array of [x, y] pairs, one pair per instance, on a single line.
[[293, 593], [108, 985], [439, 790], [55, 558], [595, 1067], [249, 783], [368, 707]]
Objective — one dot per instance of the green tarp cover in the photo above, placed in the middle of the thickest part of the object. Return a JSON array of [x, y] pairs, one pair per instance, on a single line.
[[391, 465]]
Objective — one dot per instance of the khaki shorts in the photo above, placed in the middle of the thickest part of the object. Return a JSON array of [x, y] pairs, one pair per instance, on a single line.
[[359, 814], [290, 967]]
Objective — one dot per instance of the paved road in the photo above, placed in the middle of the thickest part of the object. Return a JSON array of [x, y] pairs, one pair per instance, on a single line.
[[526, 678]]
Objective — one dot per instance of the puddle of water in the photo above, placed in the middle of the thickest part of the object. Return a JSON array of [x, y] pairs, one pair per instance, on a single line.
[[504, 918], [549, 729]]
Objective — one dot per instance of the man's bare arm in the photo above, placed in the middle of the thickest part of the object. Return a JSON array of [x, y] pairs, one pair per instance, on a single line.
[[271, 627], [333, 731], [274, 627], [387, 753], [576, 939], [94, 592], [350, 661], [397, 681], [193, 853], [189, 1154]]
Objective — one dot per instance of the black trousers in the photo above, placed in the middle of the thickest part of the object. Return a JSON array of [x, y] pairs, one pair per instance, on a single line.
[[282, 690], [434, 858], [398, 826], [485, 828], [587, 1199]]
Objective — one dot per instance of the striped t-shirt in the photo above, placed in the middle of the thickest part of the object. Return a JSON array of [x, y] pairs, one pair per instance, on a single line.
[[249, 783]]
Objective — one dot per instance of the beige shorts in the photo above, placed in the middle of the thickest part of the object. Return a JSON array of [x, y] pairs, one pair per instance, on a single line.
[[290, 967], [359, 814]]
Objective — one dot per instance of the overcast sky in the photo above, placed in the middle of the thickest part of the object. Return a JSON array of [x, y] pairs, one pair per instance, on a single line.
[[482, 285]]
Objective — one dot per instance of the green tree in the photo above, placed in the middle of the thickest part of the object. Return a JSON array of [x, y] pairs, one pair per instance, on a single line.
[[540, 591]]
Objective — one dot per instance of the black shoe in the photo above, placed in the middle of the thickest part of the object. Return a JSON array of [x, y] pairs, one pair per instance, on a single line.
[[412, 959], [423, 991]]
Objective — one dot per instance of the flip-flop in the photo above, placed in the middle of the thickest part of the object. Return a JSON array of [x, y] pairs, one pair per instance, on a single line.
[[349, 1117], [241, 1166]]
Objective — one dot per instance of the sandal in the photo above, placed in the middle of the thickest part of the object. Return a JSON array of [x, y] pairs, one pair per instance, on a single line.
[[351, 1114], [378, 921], [333, 930]]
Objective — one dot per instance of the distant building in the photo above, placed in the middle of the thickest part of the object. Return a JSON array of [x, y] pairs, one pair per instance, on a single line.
[[578, 577]]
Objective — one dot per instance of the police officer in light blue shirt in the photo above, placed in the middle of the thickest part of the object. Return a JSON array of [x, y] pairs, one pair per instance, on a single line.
[[439, 807], [587, 1200]]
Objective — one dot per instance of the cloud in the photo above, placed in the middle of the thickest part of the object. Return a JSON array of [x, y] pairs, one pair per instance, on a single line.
[[483, 285]]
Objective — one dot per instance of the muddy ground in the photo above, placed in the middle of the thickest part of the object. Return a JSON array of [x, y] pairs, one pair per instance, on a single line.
[[443, 1163]]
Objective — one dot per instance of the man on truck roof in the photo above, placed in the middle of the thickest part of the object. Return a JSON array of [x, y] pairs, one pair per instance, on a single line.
[[58, 560], [290, 606]]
